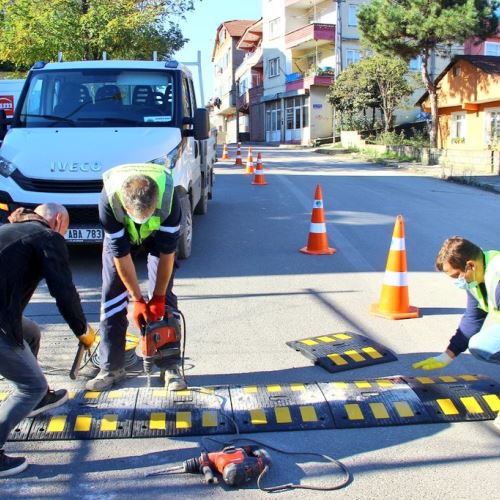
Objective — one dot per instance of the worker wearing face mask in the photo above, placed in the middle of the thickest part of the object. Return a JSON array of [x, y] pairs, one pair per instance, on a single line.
[[478, 273]]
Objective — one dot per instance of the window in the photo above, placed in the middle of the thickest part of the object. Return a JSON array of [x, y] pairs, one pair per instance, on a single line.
[[415, 63], [273, 67], [352, 19], [274, 26], [458, 126], [493, 126], [492, 49], [457, 71], [222, 35], [352, 56]]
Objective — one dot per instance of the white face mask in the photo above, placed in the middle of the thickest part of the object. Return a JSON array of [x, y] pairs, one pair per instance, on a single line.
[[140, 221]]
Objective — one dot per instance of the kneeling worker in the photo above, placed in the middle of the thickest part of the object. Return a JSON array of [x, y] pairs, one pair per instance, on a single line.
[[477, 272], [32, 248], [138, 208]]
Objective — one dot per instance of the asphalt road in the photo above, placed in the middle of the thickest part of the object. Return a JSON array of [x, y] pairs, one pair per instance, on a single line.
[[247, 290]]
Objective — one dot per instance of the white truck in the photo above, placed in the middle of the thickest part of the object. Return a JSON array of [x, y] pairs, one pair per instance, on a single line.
[[74, 120]]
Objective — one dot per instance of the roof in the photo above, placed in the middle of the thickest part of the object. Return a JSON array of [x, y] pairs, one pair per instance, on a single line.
[[488, 64], [251, 36], [237, 27]]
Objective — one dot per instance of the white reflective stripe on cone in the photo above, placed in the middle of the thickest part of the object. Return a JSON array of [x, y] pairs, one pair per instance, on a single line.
[[398, 244], [393, 278], [317, 227]]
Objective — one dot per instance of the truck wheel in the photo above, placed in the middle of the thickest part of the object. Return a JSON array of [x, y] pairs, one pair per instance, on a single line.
[[186, 237], [202, 207]]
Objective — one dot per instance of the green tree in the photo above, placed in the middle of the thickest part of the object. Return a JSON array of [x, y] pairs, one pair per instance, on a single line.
[[409, 28], [82, 29]]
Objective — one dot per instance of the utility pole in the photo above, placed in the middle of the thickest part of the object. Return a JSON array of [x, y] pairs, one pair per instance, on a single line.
[[338, 61]]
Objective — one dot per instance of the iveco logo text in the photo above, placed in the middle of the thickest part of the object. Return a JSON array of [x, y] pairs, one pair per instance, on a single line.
[[67, 166]]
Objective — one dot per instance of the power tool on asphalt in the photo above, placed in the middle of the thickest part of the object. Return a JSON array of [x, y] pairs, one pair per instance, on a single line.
[[237, 466]]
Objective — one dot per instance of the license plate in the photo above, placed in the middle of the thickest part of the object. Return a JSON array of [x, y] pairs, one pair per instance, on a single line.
[[76, 234]]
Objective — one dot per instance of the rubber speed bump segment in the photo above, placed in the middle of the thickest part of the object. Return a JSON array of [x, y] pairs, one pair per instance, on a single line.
[[88, 415], [341, 351], [456, 398], [192, 412], [280, 407], [374, 402], [21, 431]]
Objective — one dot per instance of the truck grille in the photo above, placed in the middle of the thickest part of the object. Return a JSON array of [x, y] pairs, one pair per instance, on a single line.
[[56, 186]]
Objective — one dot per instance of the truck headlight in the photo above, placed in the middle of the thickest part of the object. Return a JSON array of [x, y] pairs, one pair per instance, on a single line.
[[6, 167], [170, 159]]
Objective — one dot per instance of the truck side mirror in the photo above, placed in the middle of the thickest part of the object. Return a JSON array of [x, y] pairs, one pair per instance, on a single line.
[[4, 122], [201, 124]]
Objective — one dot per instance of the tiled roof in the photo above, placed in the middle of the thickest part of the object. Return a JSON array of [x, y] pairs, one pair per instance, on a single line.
[[237, 27]]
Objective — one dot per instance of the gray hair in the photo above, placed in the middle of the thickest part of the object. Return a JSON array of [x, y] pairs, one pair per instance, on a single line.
[[139, 194], [50, 211]]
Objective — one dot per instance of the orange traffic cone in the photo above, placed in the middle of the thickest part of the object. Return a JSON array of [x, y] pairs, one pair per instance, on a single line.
[[249, 169], [238, 160], [225, 154], [259, 179], [317, 243], [394, 301]]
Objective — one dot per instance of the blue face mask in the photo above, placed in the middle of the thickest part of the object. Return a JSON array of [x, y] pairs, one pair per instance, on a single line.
[[463, 284]]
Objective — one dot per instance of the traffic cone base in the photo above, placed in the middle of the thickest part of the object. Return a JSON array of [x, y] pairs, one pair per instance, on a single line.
[[412, 312]]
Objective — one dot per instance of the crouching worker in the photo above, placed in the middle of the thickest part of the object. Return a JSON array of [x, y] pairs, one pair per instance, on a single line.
[[138, 209], [32, 248], [478, 273]]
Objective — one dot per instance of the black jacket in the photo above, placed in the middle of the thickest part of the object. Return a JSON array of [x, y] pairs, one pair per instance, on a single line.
[[29, 252]]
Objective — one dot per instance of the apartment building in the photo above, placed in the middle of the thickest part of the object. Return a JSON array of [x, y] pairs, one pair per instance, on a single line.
[[226, 58]]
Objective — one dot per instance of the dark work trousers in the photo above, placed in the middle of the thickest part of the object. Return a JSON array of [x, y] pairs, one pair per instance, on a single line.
[[114, 305]]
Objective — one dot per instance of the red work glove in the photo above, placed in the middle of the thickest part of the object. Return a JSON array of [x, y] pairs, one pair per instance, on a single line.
[[156, 307], [140, 313]]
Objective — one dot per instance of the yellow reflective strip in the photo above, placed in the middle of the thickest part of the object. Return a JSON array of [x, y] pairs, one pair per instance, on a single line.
[[250, 389], [297, 387], [354, 411], [57, 423], [308, 414], [447, 378], [3, 396], [207, 390], [91, 395], [493, 401], [83, 423], [340, 385], [447, 406], [404, 409], [209, 418], [109, 423], [309, 342], [4, 206], [385, 383], [343, 336], [274, 388], [469, 378], [362, 384], [425, 380], [379, 410], [354, 355], [158, 421], [283, 415], [372, 352], [184, 392], [337, 359], [471, 404], [326, 339], [258, 417], [183, 420], [71, 394], [160, 393]]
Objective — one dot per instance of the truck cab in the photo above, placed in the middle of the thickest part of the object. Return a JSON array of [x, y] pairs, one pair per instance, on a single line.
[[75, 120]]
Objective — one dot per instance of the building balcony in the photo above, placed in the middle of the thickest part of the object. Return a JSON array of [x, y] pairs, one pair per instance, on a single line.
[[297, 81], [302, 4], [308, 35], [249, 97]]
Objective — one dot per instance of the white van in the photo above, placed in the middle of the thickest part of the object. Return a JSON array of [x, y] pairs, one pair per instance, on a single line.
[[75, 120]]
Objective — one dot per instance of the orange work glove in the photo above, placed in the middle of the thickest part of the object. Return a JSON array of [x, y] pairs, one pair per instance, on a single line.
[[156, 307], [140, 313]]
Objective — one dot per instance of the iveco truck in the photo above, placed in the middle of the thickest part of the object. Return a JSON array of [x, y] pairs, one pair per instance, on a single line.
[[75, 120]]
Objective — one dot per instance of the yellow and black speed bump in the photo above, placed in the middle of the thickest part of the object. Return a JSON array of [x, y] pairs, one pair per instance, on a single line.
[[374, 402], [88, 415], [280, 407], [190, 412], [455, 398], [22, 429], [341, 351]]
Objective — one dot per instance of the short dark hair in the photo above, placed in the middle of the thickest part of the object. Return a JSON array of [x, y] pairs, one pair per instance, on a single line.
[[139, 193], [456, 251]]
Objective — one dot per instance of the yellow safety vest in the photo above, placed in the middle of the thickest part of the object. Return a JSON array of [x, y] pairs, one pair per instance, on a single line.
[[491, 279]]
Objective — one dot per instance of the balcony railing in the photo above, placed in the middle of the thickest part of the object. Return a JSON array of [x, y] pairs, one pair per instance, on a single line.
[[321, 78], [314, 31]]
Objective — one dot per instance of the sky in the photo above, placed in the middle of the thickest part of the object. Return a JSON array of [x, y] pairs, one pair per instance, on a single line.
[[200, 27]]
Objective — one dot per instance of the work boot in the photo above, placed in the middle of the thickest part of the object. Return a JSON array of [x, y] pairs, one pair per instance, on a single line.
[[9, 466], [497, 421], [52, 399], [105, 379], [174, 381]]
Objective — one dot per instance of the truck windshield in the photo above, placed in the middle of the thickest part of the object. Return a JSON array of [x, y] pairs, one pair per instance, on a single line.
[[99, 98]]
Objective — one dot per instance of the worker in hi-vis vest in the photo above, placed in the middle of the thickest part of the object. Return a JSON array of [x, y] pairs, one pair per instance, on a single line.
[[478, 273], [138, 209]]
